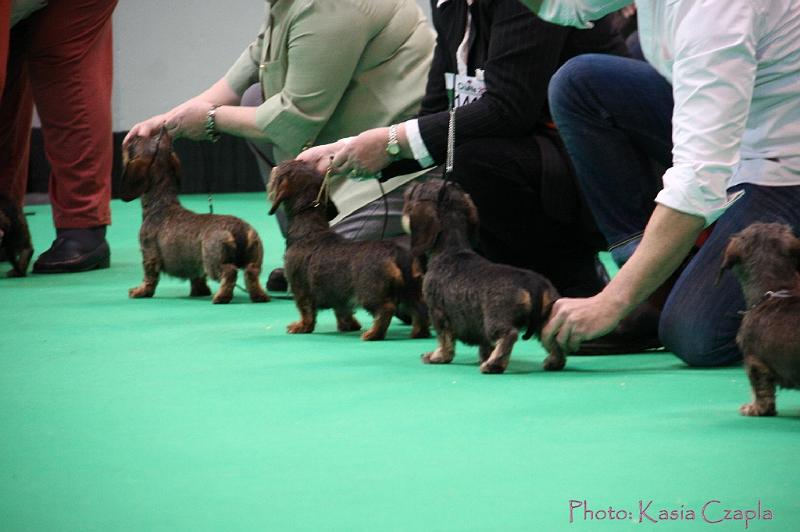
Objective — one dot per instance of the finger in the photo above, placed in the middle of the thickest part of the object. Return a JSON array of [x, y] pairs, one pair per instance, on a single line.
[[564, 335], [340, 162], [575, 341], [129, 137], [552, 326]]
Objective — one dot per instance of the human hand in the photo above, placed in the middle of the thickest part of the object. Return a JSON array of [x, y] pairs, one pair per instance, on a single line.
[[364, 155], [188, 119], [146, 128], [320, 157], [573, 321]]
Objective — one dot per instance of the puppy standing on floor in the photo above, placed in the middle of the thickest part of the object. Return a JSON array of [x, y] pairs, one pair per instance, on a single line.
[[15, 239], [766, 260], [182, 243], [326, 270], [470, 298]]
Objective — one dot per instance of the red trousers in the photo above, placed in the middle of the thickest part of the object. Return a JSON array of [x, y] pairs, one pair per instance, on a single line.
[[61, 57]]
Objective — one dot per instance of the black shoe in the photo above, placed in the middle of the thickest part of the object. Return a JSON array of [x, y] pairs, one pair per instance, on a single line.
[[75, 250], [276, 282], [637, 333]]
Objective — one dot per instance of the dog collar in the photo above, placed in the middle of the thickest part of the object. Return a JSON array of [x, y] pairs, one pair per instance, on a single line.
[[769, 294]]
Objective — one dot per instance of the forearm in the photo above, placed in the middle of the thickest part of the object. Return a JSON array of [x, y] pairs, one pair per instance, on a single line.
[[220, 93], [667, 240], [239, 121]]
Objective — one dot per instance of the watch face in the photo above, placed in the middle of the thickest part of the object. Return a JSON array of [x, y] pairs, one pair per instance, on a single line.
[[393, 149]]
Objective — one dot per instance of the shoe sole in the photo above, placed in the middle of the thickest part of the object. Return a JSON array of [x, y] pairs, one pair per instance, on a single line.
[[76, 267]]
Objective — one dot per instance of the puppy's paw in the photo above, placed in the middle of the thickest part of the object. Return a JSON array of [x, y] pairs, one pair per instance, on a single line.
[[420, 333], [139, 292], [373, 335], [299, 327], [435, 357], [14, 273], [222, 299], [348, 325], [492, 368], [200, 291], [259, 297], [753, 409], [554, 363]]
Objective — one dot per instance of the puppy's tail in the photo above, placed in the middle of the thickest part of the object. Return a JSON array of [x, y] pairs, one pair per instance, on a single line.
[[542, 299]]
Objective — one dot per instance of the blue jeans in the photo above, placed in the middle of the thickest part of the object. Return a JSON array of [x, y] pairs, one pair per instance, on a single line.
[[615, 116]]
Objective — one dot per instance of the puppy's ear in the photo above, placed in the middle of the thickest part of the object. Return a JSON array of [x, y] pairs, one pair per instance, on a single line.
[[278, 190], [175, 168], [731, 258], [134, 178], [425, 227], [472, 219]]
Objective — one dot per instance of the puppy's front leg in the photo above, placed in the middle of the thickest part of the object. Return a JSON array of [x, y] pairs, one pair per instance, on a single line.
[[308, 313], [555, 360], [445, 352], [151, 265], [20, 265], [763, 385], [383, 316], [498, 360]]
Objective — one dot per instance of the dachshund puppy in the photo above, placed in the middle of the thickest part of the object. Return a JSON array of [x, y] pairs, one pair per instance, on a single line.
[[470, 298], [15, 239], [766, 260], [326, 270], [179, 242]]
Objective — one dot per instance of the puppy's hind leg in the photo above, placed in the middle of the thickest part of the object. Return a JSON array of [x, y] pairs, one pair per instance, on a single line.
[[345, 321], [199, 287], [151, 265], [227, 282], [498, 360], [444, 353], [383, 316], [420, 325], [308, 313], [257, 293], [763, 384], [20, 265]]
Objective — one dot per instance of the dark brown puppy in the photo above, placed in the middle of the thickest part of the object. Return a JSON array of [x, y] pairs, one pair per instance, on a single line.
[[327, 271], [15, 239], [182, 243], [470, 298], [766, 260]]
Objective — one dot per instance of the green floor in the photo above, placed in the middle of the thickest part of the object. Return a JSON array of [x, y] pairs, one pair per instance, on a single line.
[[176, 414]]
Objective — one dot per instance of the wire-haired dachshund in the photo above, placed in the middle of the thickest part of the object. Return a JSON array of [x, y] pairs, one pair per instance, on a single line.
[[325, 270], [470, 298], [766, 260], [182, 243]]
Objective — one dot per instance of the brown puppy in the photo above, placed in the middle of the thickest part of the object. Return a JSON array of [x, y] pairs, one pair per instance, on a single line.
[[470, 298], [766, 260], [15, 239], [179, 242], [327, 271]]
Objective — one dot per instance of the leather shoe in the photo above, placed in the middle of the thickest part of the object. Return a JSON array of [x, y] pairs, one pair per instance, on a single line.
[[68, 254], [276, 282]]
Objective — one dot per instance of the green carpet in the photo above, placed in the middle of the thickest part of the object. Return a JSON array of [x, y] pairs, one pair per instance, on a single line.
[[175, 414]]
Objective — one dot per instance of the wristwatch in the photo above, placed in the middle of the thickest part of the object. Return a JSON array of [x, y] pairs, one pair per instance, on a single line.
[[211, 124], [393, 146]]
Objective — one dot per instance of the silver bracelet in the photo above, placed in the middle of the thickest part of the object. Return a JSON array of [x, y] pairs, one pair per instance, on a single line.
[[211, 124]]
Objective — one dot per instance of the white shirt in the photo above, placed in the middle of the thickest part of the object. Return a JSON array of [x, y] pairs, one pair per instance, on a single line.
[[735, 70]]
